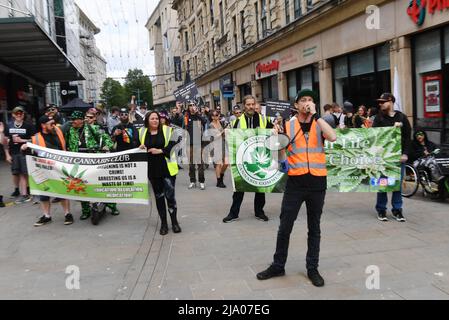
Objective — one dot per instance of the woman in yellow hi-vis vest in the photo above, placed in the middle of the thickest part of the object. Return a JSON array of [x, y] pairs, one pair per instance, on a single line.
[[307, 182], [162, 168]]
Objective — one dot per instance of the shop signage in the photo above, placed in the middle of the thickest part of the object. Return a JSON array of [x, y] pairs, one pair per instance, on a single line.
[[264, 69], [309, 52], [227, 86], [417, 9], [432, 96]]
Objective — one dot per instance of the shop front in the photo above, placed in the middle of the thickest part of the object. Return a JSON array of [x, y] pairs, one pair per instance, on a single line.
[[361, 77], [266, 73], [431, 80], [29, 59]]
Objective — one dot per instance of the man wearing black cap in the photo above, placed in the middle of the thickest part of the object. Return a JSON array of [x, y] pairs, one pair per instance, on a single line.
[[307, 182], [50, 137], [19, 132], [125, 134], [388, 117]]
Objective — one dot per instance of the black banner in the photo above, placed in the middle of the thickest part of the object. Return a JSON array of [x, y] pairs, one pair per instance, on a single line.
[[282, 107], [187, 92]]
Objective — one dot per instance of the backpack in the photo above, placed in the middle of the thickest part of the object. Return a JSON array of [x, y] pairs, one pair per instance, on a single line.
[[337, 120]]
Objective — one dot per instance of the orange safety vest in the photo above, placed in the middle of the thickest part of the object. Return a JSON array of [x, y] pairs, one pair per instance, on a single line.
[[39, 140], [306, 153]]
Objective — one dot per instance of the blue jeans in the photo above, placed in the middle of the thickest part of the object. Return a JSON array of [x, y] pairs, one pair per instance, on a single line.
[[396, 200]]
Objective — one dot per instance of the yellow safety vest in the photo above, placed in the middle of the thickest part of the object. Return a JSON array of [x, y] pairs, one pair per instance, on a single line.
[[172, 164], [243, 125]]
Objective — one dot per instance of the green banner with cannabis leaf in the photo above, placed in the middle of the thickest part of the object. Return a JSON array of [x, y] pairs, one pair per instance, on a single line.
[[364, 160], [110, 178], [361, 160], [254, 167]]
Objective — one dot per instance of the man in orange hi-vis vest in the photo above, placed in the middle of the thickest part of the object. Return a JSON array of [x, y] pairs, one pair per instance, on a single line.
[[307, 182], [50, 137]]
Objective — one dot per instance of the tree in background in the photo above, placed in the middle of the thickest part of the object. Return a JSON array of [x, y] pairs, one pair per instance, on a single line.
[[139, 85], [113, 93]]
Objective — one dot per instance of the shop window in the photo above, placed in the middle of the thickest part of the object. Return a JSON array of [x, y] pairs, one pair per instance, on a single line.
[[383, 58], [446, 44], [361, 63], [291, 82], [428, 80], [357, 79], [270, 88], [303, 78]]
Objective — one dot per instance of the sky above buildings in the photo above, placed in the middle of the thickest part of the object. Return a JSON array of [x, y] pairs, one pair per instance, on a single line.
[[123, 40]]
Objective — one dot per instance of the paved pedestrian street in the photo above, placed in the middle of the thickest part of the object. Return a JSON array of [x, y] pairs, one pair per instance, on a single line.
[[126, 258]]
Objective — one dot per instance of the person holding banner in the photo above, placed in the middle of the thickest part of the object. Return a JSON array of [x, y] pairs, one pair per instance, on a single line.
[[50, 136], [249, 120], [388, 117], [85, 137], [307, 182], [162, 168]]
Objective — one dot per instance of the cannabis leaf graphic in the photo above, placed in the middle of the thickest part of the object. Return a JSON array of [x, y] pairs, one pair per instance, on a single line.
[[73, 181], [261, 162]]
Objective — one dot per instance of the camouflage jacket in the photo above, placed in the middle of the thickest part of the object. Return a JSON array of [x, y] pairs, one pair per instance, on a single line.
[[92, 135]]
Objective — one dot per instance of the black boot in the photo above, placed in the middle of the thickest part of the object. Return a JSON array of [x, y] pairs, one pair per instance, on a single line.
[[164, 224], [174, 222], [220, 183]]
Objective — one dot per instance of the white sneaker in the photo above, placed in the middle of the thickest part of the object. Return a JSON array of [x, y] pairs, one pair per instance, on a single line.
[[202, 186], [192, 185]]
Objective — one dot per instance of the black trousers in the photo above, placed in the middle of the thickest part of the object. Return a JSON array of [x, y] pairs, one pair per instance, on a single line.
[[164, 188], [237, 199], [291, 204]]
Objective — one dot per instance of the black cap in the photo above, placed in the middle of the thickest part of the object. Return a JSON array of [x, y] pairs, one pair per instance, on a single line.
[[44, 119], [306, 93], [124, 110], [387, 97], [348, 106]]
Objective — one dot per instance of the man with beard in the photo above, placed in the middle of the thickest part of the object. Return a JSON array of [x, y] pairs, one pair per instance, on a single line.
[[50, 137], [125, 134], [88, 136], [388, 117], [249, 120]]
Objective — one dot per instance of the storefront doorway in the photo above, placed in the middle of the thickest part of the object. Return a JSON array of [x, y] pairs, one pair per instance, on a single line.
[[431, 77]]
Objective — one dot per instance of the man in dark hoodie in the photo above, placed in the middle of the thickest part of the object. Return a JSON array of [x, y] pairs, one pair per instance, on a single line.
[[194, 123], [388, 117], [421, 146]]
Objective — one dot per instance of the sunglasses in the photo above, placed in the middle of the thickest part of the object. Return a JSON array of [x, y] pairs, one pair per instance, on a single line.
[[90, 117], [123, 114], [19, 113]]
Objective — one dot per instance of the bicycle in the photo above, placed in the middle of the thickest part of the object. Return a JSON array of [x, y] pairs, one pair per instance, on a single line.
[[431, 173]]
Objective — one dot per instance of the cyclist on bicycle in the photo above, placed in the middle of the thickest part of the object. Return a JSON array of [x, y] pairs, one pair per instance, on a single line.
[[85, 135]]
